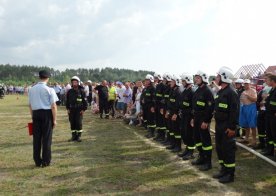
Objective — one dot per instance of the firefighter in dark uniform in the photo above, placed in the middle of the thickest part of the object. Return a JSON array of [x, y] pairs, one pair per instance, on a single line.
[[167, 78], [261, 119], [270, 105], [148, 100], [203, 107], [173, 116], [226, 111], [159, 93], [76, 104], [185, 105]]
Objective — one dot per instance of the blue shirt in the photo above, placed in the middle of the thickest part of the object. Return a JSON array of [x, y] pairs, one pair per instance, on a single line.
[[42, 97], [57, 88], [128, 93]]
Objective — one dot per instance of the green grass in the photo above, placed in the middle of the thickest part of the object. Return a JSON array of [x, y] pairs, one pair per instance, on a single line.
[[113, 159]]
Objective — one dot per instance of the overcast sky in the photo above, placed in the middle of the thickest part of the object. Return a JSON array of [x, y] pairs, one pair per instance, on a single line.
[[160, 35]]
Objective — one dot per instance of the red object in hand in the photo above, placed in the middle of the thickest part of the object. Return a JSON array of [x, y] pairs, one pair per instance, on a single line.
[[30, 127]]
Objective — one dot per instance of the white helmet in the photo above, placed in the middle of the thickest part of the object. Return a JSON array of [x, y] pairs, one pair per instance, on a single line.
[[187, 77], [177, 80], [75, 78], [203, 75], [150, 77], [239, 81], [247, 81], [157, 75], [167, 77], [226, 75], [89, 81]]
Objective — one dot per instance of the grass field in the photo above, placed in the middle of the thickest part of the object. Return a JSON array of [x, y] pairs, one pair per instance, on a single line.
[[113, 159]]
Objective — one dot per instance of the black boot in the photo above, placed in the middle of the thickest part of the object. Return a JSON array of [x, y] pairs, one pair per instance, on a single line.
[[172, 143], [259, 146], [228, 177], [221, 172], [161, 137], [167, 140], [189, 155], [177, 147], [207, 161], [151, 133], [183, 153], [199, 160], [73, 138], [158, 135], [78, 137], [101, 115], [268, 151]]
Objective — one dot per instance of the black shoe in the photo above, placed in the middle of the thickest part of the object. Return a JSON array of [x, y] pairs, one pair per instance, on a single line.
[[176, 149], [188, 156], [220, 174], [45, 164], [38, 164], [170, 147], [259, 146], [183, 153], [205, 167], [226, 178], [160, 139], [149, 135], [78, 139], [267, 152], [106, 117], [198, 161]]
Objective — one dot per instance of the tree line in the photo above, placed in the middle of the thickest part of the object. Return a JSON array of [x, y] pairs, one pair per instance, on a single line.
[[26, 74]]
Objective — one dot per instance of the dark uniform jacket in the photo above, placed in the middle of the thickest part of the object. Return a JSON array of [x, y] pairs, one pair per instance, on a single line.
[[203, 103], [159, 94], [185, 100], [270, 102], [173, 101], [148, 96], [226, 107], [166, 96], [76, 99]]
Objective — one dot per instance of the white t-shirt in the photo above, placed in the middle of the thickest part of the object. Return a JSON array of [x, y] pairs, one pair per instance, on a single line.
[[120, 92], [86, 90]]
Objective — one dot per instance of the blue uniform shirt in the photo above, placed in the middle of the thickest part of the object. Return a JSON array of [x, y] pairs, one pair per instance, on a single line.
[[42, 97]]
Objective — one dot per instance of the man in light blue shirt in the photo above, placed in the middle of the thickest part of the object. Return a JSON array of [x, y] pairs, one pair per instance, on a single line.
[[43, 109]]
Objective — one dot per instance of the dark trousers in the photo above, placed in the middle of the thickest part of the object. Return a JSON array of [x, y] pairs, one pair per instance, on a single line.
[[58, 102], [62, 99], [103, 107], [271, 129], [202, 138], [89, 99], [75, 119], [160, 121], [42, 136], [187, 131], [111, 106], [261, 126], [225, 146], [175, 131], [150, 117]]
